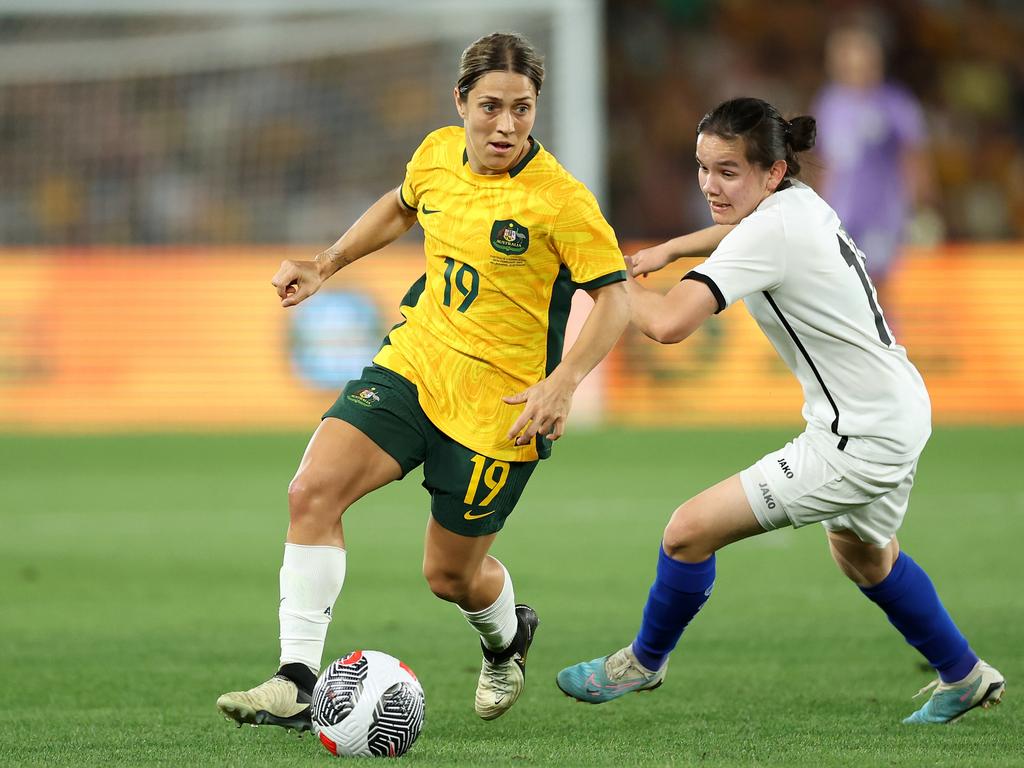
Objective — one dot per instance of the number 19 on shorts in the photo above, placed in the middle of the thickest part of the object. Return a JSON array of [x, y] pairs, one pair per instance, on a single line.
[[494, 475]]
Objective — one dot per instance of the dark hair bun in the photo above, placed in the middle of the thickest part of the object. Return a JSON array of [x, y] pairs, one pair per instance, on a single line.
[[802, 132], [766, 135]]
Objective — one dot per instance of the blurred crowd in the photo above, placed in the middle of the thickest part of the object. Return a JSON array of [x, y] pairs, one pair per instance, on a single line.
[[266, 154], [963, 60], [294, 152]]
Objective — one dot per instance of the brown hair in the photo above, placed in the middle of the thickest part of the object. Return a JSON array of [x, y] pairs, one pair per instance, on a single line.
[[499, 52], [768, 136]]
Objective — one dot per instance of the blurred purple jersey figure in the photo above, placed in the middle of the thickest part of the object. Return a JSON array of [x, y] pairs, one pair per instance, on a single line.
[[871, 136]]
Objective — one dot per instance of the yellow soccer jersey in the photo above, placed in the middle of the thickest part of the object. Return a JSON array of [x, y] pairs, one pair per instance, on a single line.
[[504, 256]]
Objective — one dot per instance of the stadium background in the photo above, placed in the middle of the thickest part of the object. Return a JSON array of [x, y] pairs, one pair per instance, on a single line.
[[158, 163], [159, 159]]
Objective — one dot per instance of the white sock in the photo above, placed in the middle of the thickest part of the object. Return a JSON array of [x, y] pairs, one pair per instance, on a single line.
[[497, 624], [311, 579]]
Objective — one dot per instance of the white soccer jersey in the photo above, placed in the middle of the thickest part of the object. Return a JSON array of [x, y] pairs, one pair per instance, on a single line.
[[804, 281]]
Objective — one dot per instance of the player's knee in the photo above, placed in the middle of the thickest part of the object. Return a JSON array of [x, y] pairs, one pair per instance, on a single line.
[[313, 502], [686, 538], [446, 584], [302, 499]]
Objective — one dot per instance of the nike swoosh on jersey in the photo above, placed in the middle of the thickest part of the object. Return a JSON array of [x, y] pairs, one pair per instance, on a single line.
[[470, 516], [428, 211]]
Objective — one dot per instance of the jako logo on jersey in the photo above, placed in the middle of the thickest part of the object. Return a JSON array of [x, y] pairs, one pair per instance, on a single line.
[[766, 495], [509, 236], [367, 397], [785, 469]]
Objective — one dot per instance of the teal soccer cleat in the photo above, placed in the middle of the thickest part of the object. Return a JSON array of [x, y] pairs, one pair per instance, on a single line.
[[609, 677], [983, 687]]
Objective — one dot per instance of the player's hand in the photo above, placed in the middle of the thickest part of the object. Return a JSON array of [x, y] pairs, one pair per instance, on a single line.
[[547, 408], [296, 281], [649, 260]]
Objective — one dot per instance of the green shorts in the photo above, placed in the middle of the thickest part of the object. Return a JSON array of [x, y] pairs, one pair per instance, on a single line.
[[470, 494]]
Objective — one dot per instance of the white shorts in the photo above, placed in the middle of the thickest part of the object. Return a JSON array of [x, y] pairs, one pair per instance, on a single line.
[[810, 481]]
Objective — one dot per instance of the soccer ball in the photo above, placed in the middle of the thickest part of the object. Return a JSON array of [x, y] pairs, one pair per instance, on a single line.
[[367, 704]]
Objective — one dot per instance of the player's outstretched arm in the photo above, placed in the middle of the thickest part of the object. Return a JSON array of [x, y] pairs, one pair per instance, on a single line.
[[384, 222], [670, 318], [700, 244], [549, 400]]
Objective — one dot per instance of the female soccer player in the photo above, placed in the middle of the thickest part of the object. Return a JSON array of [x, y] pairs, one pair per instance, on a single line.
[[784, 252], [470, 385]]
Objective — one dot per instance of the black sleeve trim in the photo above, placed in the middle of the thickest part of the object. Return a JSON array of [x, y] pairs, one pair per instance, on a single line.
[[715, 290], [600, 282], [402, 198]]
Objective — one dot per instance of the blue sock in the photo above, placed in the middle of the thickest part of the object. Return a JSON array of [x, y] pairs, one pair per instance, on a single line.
[[913, 607], [678, 592]]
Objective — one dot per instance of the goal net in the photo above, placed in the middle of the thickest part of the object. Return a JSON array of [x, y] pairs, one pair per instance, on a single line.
[[251, 121]]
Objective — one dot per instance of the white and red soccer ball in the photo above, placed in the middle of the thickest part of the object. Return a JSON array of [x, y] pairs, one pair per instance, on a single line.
[[367, 704]]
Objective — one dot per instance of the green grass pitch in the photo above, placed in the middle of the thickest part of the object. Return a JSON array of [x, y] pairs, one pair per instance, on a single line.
[[138, 581]]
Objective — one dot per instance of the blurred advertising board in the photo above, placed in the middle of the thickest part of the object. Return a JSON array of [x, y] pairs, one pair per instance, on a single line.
[[194, 339], [957, 310]]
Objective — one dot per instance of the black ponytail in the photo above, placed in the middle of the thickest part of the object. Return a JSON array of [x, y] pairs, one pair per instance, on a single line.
[[766, 134], [800, 135]]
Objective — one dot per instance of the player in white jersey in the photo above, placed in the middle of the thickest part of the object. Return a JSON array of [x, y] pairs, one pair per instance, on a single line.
[[782, 250]]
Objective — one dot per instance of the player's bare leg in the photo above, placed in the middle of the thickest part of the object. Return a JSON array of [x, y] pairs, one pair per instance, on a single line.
[[458, 569], [709, 521], [903, 590], [862, 563], [340, 465]]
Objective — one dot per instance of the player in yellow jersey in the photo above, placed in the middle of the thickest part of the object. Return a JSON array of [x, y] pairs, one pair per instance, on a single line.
[[472, 385]]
